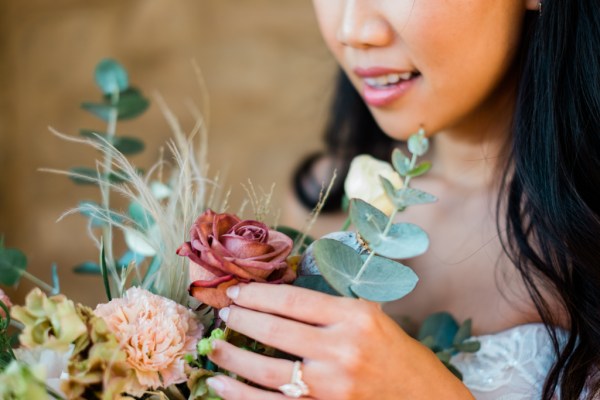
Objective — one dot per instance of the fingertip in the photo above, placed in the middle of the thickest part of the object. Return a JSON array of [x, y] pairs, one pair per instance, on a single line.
[[217, 384]]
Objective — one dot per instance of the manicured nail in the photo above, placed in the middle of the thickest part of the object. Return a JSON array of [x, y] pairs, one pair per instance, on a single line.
[[233, 292], [214, 344], [216, 384], [224, 313]]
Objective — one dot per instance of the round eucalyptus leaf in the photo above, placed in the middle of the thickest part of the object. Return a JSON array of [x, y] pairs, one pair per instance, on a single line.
[[402, 241], [131, 103], [315, 282], [125, 144], [442, 327], [385, 280], [140, 215], [419, 169], [418, 144], [111, 77], [338, 263], [308, 265], [400, 162], [102, 111], [88, 268], [412, 197], [12, 264], [369, 220], [160, 191]]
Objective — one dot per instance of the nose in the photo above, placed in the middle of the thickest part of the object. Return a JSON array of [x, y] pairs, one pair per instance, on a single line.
[[362, 26]]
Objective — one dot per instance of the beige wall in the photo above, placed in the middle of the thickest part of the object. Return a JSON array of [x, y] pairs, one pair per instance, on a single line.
[[268, 75]]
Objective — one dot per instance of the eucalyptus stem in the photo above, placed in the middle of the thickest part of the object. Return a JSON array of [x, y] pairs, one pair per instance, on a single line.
[[347, 224], [37, 281], [104, 185]]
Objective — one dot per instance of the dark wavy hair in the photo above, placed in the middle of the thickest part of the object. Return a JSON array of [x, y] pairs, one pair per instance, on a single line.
[[549, 202]]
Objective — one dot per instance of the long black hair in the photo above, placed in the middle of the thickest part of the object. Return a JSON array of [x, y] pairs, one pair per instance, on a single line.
[[549, 202]]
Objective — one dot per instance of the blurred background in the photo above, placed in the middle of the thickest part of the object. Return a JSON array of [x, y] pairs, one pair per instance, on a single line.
[[268, 74]]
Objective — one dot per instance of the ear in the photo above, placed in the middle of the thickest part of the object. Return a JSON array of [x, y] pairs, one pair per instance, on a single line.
[[533, 4]]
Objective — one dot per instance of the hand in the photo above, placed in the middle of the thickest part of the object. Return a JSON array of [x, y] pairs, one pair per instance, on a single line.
[[351, 349]]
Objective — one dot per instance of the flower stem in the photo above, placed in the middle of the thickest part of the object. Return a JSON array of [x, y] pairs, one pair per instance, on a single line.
[[37, 281], [347, 224]]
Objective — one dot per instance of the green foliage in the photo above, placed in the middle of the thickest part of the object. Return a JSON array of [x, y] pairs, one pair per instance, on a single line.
[[104, 271], [129, 104], [125, 144], [419, 169], [400, 162], [6, 353], [111, 77], [400, 241], [418, 144], [441, 333], [13, 264], [296, 236], [140, 216], [338, 263]]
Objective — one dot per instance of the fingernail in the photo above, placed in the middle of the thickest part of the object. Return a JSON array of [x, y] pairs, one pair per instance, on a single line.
[[224, 313], [214, 344], [233, 292], [216, 384]]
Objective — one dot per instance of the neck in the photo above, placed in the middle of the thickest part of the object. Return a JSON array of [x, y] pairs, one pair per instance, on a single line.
[[473, 152]]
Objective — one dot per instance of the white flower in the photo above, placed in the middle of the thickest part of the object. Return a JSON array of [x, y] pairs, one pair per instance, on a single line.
[[54, 363], [363, 181]]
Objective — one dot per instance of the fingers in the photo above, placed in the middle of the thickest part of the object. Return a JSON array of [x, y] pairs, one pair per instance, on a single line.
[[273, 372], [231, 389], [292, 302], [289, 336]]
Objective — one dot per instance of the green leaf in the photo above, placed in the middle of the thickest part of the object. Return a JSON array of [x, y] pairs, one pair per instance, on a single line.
[[400, 162], [444, 356], [418, 144], [55, 280], [442, 328], [111, 77], [128, 258], [315, 282], [125, 144], [88, 268], [83, 175], [469, 347], [419, 169], [413, 197], [13, 263], [104, 270], [338, 263], [463, 333], [384, 280], [402, 240], [131, 103], [141, 217], [391, 192]]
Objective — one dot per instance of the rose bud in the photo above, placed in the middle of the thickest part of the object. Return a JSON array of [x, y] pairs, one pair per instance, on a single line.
[[224, 250]]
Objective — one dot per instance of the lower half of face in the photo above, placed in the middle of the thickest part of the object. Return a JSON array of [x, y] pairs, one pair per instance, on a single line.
[[425, 63]]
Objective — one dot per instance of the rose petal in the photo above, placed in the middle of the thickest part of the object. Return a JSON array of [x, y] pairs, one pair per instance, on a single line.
[[222, 223], [214, 297], [199, 273], [240, 247]]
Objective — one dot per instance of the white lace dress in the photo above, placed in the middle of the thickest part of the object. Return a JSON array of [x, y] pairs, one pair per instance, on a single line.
[[511, 365]]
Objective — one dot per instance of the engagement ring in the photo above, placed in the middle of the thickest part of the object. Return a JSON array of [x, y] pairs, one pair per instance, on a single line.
[[296, 388]]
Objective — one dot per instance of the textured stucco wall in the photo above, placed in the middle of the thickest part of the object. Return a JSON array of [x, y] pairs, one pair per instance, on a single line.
[[268, 74]]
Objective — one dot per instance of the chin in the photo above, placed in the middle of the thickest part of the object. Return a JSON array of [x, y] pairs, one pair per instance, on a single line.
[[398, 125]]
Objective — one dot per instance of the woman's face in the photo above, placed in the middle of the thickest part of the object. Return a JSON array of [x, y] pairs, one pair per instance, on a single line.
[[431, 63]]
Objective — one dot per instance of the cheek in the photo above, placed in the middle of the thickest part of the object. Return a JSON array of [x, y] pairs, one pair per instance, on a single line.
[[329, 15]]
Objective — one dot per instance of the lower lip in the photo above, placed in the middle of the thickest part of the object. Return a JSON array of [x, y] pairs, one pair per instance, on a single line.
[[380, 97]]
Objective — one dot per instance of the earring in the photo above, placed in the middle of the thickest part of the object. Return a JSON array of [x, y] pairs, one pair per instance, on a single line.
[[540, 7]]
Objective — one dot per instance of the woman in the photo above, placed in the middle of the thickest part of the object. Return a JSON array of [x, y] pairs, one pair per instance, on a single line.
[[509, 91]]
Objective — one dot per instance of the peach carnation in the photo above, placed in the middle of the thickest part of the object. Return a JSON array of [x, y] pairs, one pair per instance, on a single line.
[[155, 332], [4, 298]]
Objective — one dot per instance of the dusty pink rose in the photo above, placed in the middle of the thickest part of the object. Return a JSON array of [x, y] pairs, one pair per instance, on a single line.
[[155, 333], [224, 250], [4, 298]]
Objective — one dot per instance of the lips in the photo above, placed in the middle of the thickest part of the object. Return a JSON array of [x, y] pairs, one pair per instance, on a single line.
[[382, 86]]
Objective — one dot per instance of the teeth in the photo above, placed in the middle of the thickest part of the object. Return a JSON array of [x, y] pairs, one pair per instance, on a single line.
[[389, 79]]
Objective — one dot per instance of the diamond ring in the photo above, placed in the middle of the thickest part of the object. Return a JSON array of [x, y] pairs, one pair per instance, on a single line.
[[296, 388]]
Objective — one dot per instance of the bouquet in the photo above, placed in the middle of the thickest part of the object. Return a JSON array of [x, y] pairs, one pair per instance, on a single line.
[[152, 336]]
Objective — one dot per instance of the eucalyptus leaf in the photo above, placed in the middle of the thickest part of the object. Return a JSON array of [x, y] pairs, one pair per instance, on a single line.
[[384, 280], [96, 214], [401, 241], [400, 162], [104, 271], [160, 191], [390, 191], [441, 327], [338, 263], [463, 333], [141, 217], [419, 169], [131, 103], [444, 356], [315, 282], [455, 371], [418, 144], [13, 263], [55, 280], [130, 257], [102, 111], [88, 268], [412, 197], [125, 144], [111, 77], [469, 347]]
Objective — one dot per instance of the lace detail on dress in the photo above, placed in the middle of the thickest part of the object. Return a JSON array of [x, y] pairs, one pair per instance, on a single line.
[[511, 365]]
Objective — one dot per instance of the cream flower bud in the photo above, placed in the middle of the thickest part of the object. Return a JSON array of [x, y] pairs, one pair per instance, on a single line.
[[363, 181]]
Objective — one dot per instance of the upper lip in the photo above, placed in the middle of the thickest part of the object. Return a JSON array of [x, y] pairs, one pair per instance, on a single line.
[[378, 71]]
